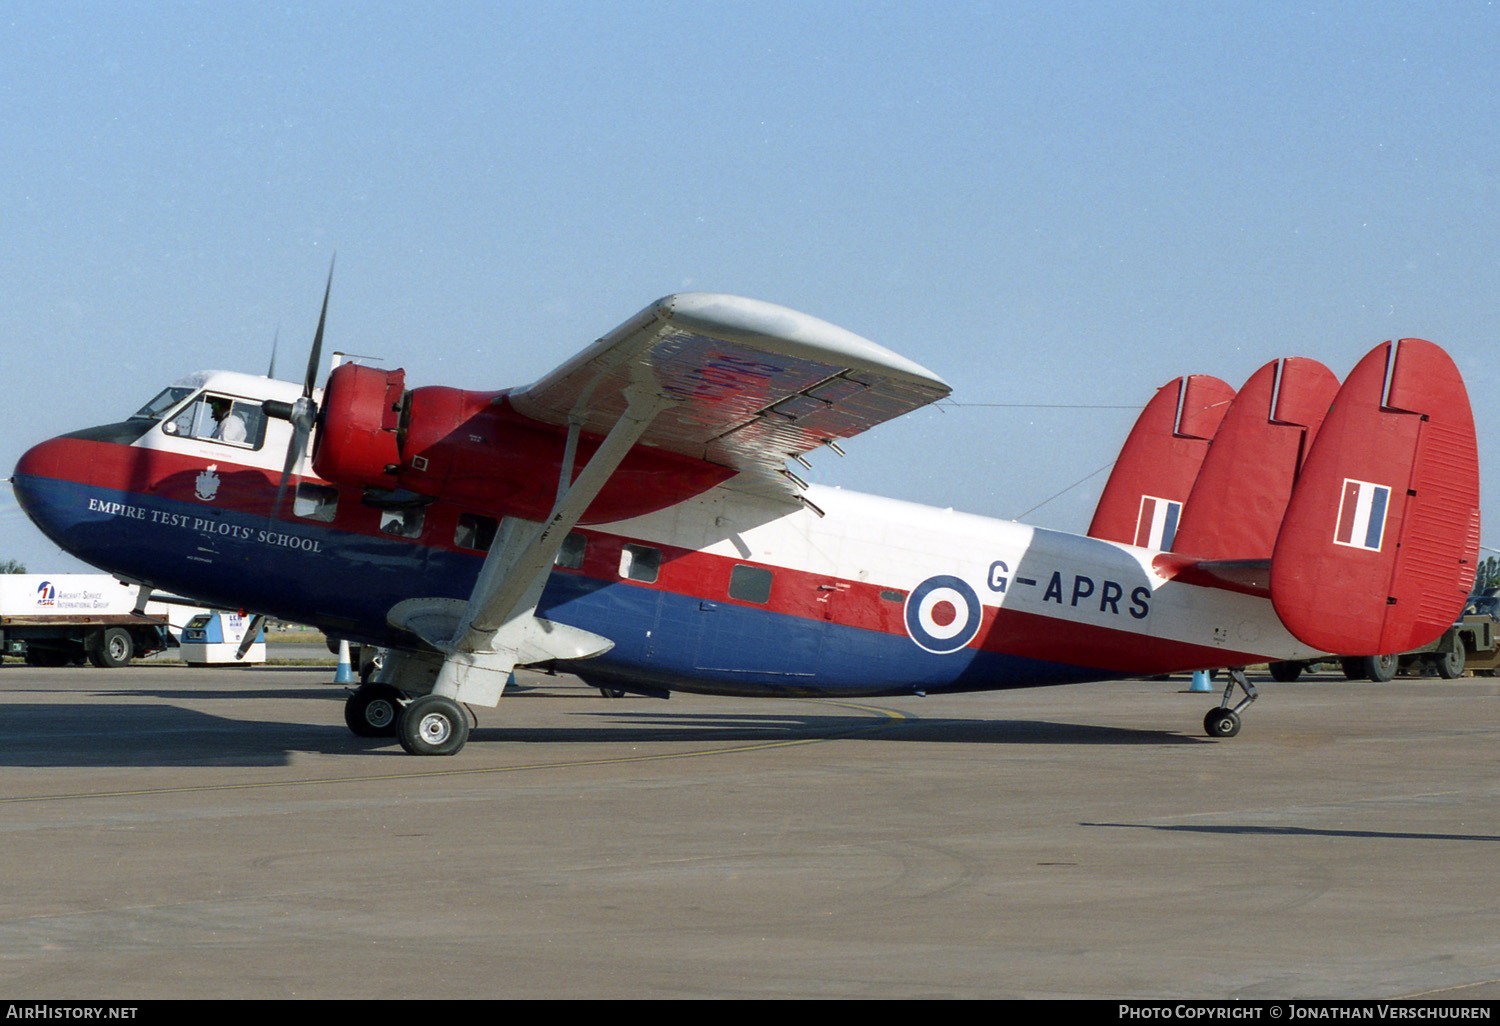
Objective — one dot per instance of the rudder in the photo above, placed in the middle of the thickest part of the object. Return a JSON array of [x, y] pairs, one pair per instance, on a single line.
[[1159, 462], [1379, 544], [1241, 494]]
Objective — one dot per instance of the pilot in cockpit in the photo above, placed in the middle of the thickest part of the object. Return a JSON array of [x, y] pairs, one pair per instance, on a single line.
[[230, 426]]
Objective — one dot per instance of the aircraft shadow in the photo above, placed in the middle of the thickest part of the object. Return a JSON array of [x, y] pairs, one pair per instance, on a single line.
[[35, 735], [637, 727], [1271, 831]]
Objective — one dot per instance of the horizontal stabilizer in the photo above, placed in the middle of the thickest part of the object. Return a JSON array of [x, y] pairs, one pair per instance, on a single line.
[[1157, 466], [1378, 547], [1246, 576], [1246, 480]]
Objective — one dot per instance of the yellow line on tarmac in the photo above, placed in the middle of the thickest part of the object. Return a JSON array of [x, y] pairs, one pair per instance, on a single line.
[[891, 718]]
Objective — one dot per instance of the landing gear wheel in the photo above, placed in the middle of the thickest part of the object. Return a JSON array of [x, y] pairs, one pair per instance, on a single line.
[[1221, 723], [1380, 668], [1450, 664], [1287, 672], [372, 711], [433, 725], [1225, 720]]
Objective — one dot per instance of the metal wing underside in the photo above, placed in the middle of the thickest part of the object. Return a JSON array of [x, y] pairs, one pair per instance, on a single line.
[[753, 383]]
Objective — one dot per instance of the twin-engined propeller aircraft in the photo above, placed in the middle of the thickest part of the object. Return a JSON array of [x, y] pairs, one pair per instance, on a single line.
[[631, 518]]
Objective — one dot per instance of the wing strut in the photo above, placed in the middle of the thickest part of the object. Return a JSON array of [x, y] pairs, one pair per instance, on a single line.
[[500, 615]]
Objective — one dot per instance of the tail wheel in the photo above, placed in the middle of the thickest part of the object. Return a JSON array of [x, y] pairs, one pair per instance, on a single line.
[[1221, 723]]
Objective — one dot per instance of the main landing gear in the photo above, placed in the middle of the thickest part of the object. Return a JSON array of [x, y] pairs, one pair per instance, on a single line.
[[1225, 721], [429, 725]]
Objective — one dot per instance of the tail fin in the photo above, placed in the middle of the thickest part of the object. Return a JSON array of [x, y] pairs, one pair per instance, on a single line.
[[1379, 544], [1157, 466], [1242, 489]]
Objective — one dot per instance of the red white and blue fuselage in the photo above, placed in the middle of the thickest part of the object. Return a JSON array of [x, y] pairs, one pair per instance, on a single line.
[[630, 517], [859, 596]]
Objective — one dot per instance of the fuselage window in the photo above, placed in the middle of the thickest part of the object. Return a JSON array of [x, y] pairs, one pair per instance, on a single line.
[[475, 532], [402, 523], [315, 501], [570, 556], [220, 418], [640, 563], [750, 584]]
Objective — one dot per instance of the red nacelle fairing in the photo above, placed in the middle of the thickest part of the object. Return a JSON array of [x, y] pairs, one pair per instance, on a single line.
[[473, 448]]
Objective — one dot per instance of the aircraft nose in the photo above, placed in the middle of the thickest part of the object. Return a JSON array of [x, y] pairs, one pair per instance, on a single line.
[[48, 480]]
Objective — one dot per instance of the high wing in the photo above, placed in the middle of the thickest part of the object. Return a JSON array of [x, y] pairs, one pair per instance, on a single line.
[[751, 384], [737, 382]]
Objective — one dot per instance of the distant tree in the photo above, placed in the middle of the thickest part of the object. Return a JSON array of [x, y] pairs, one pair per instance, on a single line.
[[10, 566]]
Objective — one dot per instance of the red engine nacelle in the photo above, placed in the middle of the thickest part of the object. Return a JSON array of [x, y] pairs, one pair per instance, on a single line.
[[472, 448], [359, 441]]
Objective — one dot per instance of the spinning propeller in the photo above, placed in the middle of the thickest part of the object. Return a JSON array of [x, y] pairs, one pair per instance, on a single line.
[[303, 414]]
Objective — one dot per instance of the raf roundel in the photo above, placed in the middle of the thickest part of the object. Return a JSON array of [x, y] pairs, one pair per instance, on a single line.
[[943, 614]]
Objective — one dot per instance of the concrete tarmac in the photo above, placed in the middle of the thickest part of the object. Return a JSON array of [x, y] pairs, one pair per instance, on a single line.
[[192, 833]]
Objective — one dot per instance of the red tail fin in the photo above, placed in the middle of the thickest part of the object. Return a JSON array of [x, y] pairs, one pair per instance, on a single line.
[[1156, 469], [1242, 490], [1378, 547]]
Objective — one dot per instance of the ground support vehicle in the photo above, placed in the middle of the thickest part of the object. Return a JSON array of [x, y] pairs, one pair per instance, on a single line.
[[1470, 644], [67, 619]]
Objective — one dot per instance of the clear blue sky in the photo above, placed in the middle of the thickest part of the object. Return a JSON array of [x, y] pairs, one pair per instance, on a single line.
[[1043, 202]]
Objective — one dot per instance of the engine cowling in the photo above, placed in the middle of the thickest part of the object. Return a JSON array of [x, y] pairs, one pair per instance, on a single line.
[[359, 441], [473, 449]]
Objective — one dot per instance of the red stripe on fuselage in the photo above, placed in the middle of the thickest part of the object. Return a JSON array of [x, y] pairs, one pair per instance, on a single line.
[[164, 475]]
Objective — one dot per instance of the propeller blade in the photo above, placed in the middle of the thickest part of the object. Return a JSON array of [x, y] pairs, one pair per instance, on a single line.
[[275, 341], [316, 358], [256, 623], [304, 411], [300, 429]]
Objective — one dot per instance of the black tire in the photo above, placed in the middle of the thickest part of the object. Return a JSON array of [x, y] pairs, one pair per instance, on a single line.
[[373, 711], [1380, 668], [1221, 722], [433, 725], [1286, 672], [1354, 669], [1450, 664], [110, 648], [45, 655]]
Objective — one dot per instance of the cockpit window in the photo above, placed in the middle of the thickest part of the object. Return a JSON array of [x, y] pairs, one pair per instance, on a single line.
[[220, 418], [157, 408]]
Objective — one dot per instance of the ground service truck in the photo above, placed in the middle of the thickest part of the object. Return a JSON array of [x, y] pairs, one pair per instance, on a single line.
[[63, 619]]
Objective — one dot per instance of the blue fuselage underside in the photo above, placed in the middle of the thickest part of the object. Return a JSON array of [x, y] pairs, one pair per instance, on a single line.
[[345, 583]]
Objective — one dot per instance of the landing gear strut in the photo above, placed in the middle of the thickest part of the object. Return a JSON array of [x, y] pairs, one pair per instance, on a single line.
[[1225, 720]]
